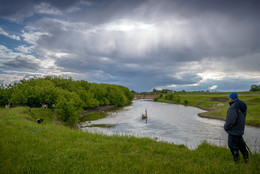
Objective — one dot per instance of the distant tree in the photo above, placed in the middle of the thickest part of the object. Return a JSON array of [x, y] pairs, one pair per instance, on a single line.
[[133, 92], [2, 95], [255, 88], [163, 91]]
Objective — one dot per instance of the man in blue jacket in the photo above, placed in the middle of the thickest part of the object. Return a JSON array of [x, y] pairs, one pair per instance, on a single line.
[[235, 126]]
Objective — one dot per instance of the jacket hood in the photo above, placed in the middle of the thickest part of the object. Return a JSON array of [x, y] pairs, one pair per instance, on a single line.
[[239, 104]]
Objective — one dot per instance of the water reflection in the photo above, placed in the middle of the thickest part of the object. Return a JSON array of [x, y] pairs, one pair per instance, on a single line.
[[177, 124]]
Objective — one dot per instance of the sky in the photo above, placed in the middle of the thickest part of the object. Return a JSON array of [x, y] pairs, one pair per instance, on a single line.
[[192, 45]]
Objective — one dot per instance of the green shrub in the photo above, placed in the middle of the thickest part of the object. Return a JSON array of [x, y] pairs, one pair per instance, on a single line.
[[173, 97]]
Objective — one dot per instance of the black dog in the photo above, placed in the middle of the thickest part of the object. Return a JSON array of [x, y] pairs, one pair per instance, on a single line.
[[39, 120]]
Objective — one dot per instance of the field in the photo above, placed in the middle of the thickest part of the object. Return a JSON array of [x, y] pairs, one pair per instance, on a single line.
[[216, 104], [51, 147]]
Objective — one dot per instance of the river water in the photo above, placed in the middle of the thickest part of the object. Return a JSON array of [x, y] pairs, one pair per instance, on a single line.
[[172, 123]]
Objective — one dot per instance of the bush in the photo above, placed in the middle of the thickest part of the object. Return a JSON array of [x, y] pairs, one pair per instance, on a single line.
[[173, 97], [255, 88]]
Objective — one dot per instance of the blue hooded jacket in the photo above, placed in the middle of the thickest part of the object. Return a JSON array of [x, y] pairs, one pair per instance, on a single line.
[[236, 118]]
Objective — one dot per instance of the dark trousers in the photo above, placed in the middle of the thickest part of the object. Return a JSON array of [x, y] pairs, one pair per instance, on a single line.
[[236, 143]]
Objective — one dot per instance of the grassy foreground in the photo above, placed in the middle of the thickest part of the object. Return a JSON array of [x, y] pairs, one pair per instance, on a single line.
[[28, 147], [217, 103]]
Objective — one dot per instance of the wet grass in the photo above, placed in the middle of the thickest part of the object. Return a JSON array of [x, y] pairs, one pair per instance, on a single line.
[[28, 147]]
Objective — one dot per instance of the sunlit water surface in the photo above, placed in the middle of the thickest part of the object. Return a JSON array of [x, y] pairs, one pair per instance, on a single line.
[[172, 123]]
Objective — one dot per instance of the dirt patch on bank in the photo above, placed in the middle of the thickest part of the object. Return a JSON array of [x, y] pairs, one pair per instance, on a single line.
[[210, 116], [253, 124], [219, 99]]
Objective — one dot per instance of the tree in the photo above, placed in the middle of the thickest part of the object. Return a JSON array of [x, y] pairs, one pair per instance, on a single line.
[[255, 88], [133, 91], [2, 95]]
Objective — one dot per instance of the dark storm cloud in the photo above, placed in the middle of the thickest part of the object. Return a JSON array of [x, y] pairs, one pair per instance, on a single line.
[[17, 10], [216, 28], [142, 44], [100, 10], [202, 40], [154, 10], [21, 63], [197, 7], [10, 7]]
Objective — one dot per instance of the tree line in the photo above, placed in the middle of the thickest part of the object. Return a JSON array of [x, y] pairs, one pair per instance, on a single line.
[[255, 88], [69, 97]]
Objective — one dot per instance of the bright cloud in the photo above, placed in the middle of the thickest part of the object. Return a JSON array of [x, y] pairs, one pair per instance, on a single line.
[[126, 25], [213, 87], [23, 49], [12, 36]]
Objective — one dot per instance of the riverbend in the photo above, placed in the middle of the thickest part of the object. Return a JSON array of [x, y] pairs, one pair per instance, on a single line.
[[172, 123]]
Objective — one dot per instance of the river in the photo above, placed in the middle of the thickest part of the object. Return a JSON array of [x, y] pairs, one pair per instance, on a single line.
[[172, 123]]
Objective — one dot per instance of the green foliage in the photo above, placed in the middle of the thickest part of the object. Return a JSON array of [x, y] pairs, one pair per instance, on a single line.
[[70, 97], [34, 92], [2, 95], [255, 88], [133, 92], [69, 107], [172, 97], [163, 91], [158, 98]]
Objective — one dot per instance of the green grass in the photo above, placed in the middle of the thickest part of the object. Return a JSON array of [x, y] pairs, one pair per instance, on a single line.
[[216, 103], [28, 147], [35, 113], [94, 116]]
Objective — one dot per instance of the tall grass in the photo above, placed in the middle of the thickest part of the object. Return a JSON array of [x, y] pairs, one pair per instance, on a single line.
[[28, 147]]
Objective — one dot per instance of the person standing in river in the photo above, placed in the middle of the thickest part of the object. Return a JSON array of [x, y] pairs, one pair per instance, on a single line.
[[235, 126]]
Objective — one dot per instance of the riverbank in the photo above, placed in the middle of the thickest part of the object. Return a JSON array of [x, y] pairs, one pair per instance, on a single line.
[[28, 147], [203, 115], [216, 104], [100, 108], [97, 113]]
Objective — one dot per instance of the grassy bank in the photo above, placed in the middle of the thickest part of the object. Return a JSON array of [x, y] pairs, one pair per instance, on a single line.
[[216, 104], [28, 147], [93, 116]]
